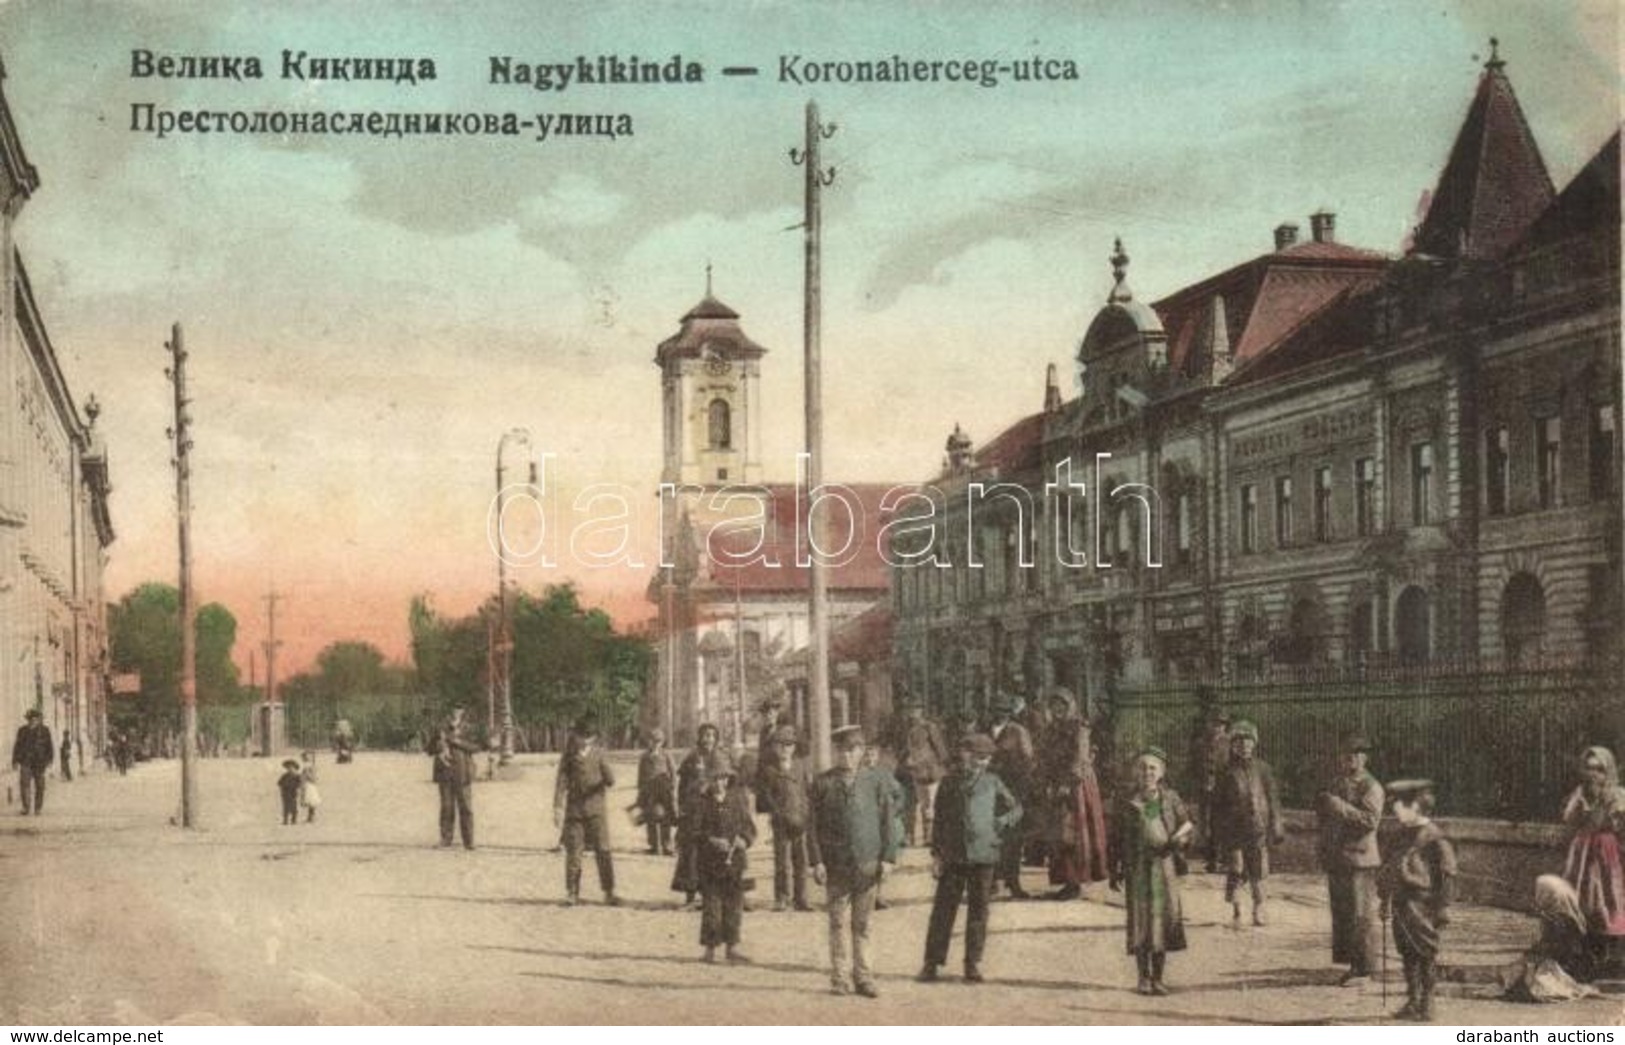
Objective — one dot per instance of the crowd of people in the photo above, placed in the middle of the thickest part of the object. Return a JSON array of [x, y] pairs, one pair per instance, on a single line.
[[1026, 790]]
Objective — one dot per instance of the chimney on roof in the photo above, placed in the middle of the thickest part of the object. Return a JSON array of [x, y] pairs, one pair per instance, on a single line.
[[1052, 390], [1323, 226], [1285, 235]]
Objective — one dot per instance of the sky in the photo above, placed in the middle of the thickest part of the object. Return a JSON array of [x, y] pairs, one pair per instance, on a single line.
[[367, 316]]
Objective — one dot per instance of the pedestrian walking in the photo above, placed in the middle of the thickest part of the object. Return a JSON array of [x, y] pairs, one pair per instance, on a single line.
[[1348, 812], [310, 794], [724, 828], [453, 755], [922, 757], [853, 844], [873, 758], [657, 793], [1153, 829], [1595, 814], [67, 757], [583, 780], [32, 755], [1013, 761], [1246, 821], [691, 786], [783, 791], [287, 786], [1416, 884], [1077, 828], [976, 813]]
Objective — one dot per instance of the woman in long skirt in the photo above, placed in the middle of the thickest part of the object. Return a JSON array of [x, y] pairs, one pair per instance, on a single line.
[[1152, 828], [1595, 812], [1077, 833], [691, 778]]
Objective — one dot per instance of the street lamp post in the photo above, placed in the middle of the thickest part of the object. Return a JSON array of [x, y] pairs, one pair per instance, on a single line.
[[504, 632]]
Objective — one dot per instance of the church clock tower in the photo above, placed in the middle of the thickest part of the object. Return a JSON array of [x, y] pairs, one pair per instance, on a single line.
[[710, 374]]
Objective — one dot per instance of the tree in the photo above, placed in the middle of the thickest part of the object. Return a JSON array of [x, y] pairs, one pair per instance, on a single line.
[[145, 637]]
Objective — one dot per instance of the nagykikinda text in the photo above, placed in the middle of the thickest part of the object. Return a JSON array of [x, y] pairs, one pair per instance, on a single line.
[[298, 65], [604, 69]]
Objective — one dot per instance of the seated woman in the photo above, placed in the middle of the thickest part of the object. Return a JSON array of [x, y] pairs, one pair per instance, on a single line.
[[1559, 965]]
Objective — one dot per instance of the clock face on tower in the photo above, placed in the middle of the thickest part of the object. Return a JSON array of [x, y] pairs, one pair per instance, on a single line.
[[716, 364]]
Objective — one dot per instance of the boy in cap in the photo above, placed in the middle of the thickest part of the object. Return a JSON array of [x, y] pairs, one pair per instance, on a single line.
[[1348, 812], [974, 812], [1246, 820], [578, 805], [657, 793], [724, 829], [1416, 882], [853, 845], [289, 784], [782, 791]]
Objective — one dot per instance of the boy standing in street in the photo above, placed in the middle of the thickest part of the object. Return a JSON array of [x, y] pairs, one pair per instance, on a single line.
[[1246, 820], [1416, 882], [853, 846], [974, 812], [783, 792]]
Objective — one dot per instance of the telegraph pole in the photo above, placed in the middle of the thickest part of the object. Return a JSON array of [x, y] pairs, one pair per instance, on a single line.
[[181, 440], [818, 671], [276, 723]]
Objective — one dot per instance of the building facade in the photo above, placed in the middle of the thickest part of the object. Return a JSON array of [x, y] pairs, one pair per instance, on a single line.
[[1323, 460], [54, 523]]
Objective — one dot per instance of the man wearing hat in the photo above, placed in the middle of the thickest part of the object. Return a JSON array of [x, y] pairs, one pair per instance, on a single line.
[[783, 791], [1348, 812], [852, 846], [975, 813], [1246, 820], [453, 755], [32, 755], [657, 792], [578, 805], [922, 755], [723, 828]]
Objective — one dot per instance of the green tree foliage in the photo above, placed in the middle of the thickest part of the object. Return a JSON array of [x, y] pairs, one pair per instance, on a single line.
[[145, 636], [568, 661]]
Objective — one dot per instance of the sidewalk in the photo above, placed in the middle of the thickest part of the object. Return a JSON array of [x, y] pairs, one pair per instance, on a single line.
[[114, 916]]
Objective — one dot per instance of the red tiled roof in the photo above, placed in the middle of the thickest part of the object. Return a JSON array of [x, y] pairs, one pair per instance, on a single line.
[[866, 637], [1494, 183], [1265, 300], [1015, 449], [773, 568]]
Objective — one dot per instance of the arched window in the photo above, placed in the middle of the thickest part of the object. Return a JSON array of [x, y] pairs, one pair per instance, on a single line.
[[720, 419], [1412, 625], [1361, 627], [1523, 617], [1304, 642]]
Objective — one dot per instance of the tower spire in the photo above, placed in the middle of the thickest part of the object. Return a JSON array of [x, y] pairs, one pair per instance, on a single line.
[[707, 277], [1119, 259], [1495, 63]]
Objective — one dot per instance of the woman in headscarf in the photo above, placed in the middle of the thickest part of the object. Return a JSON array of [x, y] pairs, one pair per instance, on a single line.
[[1559, 965], [1077, 842], [691, 779], [1595, 812], [1152, 829]]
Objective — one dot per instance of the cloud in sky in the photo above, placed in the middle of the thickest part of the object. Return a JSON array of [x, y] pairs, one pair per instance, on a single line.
[[368, 316]]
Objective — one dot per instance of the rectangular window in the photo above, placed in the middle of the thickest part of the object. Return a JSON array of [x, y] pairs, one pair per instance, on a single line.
[[1604, 470], [1421, 484], [1283, 511], [1249, 518], [1323, 503], [1549, 459], [1497, 470], [1365, 497]]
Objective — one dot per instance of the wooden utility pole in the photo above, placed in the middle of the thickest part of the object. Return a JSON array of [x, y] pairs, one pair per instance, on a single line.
[[818, 668], [275, 723], [181, 440]]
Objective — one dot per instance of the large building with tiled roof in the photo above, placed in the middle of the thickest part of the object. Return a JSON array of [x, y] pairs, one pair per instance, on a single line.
[[1322, 460], [733, 590]]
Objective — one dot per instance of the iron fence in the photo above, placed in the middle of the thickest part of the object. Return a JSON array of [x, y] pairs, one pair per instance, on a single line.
[[1500, 741]]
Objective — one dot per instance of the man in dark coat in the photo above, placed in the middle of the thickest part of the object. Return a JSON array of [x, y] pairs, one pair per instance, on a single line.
[[578, 806], [1210, 754], [1013, 762], [853, 846], [975, 813], [922, 757], [32, 755], [453, 755], [1348, 812]]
